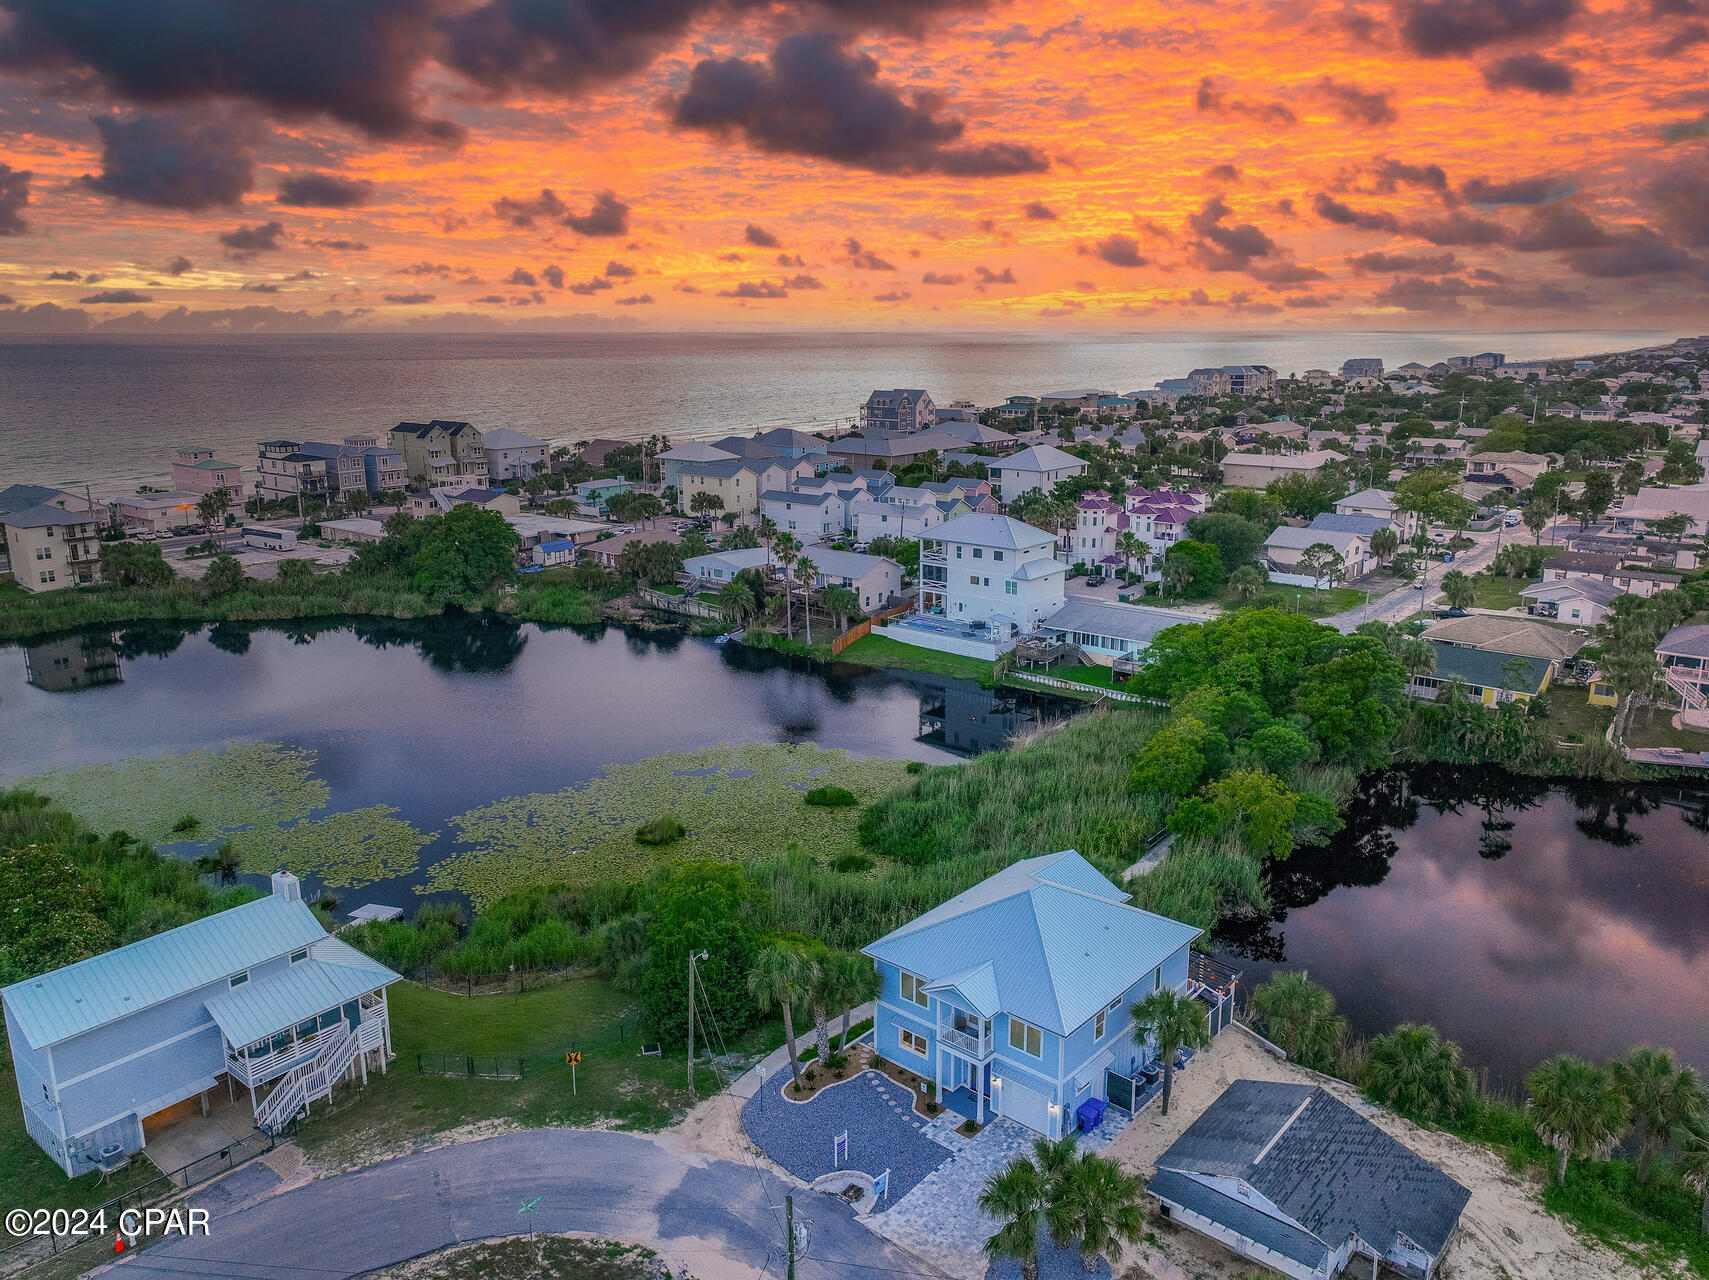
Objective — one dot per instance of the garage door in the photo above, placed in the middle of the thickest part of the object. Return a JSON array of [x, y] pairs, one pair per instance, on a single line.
[[1025, 1106]]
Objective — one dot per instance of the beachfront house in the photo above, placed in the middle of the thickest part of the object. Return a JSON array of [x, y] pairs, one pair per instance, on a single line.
[[1013, 997], [512, 455], [1293, 1178], [256, 1000], [52, 547]]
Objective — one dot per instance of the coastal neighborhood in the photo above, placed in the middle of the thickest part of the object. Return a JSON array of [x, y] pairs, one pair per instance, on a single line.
[[1010, 1004]]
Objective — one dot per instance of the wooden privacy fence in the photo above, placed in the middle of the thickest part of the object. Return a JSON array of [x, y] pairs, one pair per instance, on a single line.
[[863, 629]]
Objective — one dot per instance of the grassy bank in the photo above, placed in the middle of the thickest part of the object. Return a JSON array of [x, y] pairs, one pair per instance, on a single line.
[[543, 1257], [615, 1085], [877, 650]]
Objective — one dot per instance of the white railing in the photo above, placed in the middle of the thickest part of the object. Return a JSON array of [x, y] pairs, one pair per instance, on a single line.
[[1690, 693], [262, 1067], [980, 1046], [1115, 694], [303, 1084]]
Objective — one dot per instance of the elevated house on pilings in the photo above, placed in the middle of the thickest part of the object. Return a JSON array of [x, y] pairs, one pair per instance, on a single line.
[[114, 1051]]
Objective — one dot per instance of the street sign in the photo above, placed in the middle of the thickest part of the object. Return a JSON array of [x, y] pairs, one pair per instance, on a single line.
[[839, 1149], [574, 1058], [881, 1186]]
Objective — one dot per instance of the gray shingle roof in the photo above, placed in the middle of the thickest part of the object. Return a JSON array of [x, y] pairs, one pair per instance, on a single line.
[[1122, 621], [1484, 667], [1691, 641], [1243, 1219], [46, 517], [1321, 1163], [1364, 526]]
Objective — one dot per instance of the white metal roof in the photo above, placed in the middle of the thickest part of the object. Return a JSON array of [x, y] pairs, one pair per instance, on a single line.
[[991, 531]]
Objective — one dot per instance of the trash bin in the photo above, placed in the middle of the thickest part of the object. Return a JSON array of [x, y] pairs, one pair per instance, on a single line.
[[1090, 1115]]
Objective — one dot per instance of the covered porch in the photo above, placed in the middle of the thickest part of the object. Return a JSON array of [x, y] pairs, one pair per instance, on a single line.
[[967, 1003]]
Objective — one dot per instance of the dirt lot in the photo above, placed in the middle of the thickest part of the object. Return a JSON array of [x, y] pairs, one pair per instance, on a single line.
[[1504, 1233]]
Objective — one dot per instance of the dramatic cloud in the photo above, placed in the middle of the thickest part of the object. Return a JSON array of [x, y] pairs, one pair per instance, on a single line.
[[1531, 72], [587, 288], [409, 299], [942, 277], [178, 266], [1425, 264], [174, 161], [522, 277], [988, 276], [634, 300], [803, 282], [553, 275], [1212, 98], [1680, 198], [814, 97], [609, 216], [1223, 173], [1593, 248], [1534, 190], [1332, 210], [620, 270], [1038, 211], [1356, 105], [1119, 251], [755, 289], [246, 242], [1458, 228], [71, 276], [323, 191], [1388, 175], [1454, 28], [1221, 247], [115, 297], [760, 238], [14, 195], [863, 259]]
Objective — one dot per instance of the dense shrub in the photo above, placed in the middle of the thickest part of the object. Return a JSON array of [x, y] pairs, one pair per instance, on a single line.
[[667, 829], [831, 797]]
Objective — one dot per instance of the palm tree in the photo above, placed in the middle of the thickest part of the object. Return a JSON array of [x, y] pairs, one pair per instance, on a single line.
[[807, 573], [1300, 1016], [1133, 547], [1384, 543], [787, 548], [1416, 1072], [735, 600], [783, 975], [1458, 589], [1172, 1021], [1015, 1198], [1577, 1108], [1664, 1097], [1417, 655], [1177, 573], [841, 604], [767, 530], [850, 979], [1094, 1202], [1693, 1168], [1245, 582]]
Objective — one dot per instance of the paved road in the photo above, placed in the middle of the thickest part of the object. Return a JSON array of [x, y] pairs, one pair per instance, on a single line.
[[716, 1219], [1406, 601]]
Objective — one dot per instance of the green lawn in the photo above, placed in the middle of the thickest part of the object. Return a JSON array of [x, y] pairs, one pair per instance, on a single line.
[[1497, 591], [669, 589], [1572, 716], [1313, 604], [881, 651], [616, 1086], [1097, 676], [1659, 732]]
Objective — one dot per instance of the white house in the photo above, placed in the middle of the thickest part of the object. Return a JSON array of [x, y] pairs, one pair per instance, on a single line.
[[1580, 600], [1258, 470], [718, 567], [876, 518], [1285, 548], [511, 455], [1375, 502], [1106, 631], [255, 999], [1039, 467], [875, 580], [992, 570]]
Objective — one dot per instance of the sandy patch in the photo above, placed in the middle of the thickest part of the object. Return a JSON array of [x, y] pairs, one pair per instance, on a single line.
[[1504, 1234]]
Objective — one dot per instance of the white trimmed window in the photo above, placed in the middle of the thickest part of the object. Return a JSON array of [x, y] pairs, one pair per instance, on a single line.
[[912, 1041], [1026, 1037], [238, 979], [914, 990], [1098, 1025]]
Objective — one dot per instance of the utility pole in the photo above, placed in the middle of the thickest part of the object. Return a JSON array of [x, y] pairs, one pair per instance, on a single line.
[[692, 957], [789, 1231]]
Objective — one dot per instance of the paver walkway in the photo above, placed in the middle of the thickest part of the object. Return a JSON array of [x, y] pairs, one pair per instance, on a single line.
[[876, 1112]]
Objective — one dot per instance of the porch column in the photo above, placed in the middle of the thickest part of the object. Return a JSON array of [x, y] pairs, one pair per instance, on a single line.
[[978, 1093], [939, 1074], [386, 1029]]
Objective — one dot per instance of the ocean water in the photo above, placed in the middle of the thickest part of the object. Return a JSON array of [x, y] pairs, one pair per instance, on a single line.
[[109, 413]]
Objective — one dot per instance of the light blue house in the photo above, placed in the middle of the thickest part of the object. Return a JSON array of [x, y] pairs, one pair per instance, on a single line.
[[596, 494], [110, 1049], [1014, 995]]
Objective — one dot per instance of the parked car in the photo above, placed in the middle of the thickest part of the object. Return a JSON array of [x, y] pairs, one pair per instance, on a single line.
[[1097, 580], [1512, 518]]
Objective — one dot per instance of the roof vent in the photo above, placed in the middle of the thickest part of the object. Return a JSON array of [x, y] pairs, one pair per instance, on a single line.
[[287, 886]]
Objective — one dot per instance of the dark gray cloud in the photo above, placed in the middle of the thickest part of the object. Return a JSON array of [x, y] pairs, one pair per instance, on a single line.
[[115, 297], [895, 295], [620, 270], [1559, 227], [1531, 72], [1454, 28], [755, 289], [803, 282], [246, 242], [1220, 246], [1038, 211], [1211, 97], [1679, 199], [760, 238], [523, 277], [339, 246], [608, 215], [323, 191], [634, 300], [1356, 105], [553, 275], [174, 161], [1542, 188], [409, 299], [864, 259], [988, 276], [1332, 210], [791, 260], [1592, 248], [815, 97], [260, 286], [178, 266], [7, 300], [587, 288], [69, 276], [439, 270], [277, 55], [1223, 173], [1426, 264], [1389, 174], [1458, 228], [1118, 250], [14, 195], [942, 277]]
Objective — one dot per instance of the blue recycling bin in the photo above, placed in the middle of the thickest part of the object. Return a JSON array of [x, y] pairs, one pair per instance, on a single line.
[[1090, 1115]]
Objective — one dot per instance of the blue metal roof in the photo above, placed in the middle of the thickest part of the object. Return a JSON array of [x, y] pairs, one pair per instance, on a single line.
[[118, 983], [1060, 940], [334, 973]]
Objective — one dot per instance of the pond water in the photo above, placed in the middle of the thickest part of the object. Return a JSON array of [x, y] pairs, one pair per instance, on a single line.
[[436, 718], [1523, 918]]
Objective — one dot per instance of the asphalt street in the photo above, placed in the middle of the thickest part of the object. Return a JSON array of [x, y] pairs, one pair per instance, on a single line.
[[715, 1219]]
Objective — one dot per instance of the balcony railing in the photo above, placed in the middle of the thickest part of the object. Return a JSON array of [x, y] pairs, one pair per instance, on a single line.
[[965, 1038], [261, 1067]]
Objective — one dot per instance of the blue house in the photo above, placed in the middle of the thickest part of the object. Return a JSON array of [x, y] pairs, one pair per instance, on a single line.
[[596, 494], [1014, 995], [110, 1049]]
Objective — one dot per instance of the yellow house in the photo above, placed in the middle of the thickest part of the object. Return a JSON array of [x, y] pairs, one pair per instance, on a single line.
[[52, 548], [1602, 693], [1489, 676], [737, 482]]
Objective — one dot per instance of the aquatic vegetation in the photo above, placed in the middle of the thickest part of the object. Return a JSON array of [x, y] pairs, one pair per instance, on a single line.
[[250, 784], [736, 802], [354, 847]]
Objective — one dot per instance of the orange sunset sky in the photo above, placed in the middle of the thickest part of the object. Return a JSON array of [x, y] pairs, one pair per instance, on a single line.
[[321, 164]]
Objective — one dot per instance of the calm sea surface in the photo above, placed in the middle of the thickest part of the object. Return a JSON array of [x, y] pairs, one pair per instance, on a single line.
[[109, 413]]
